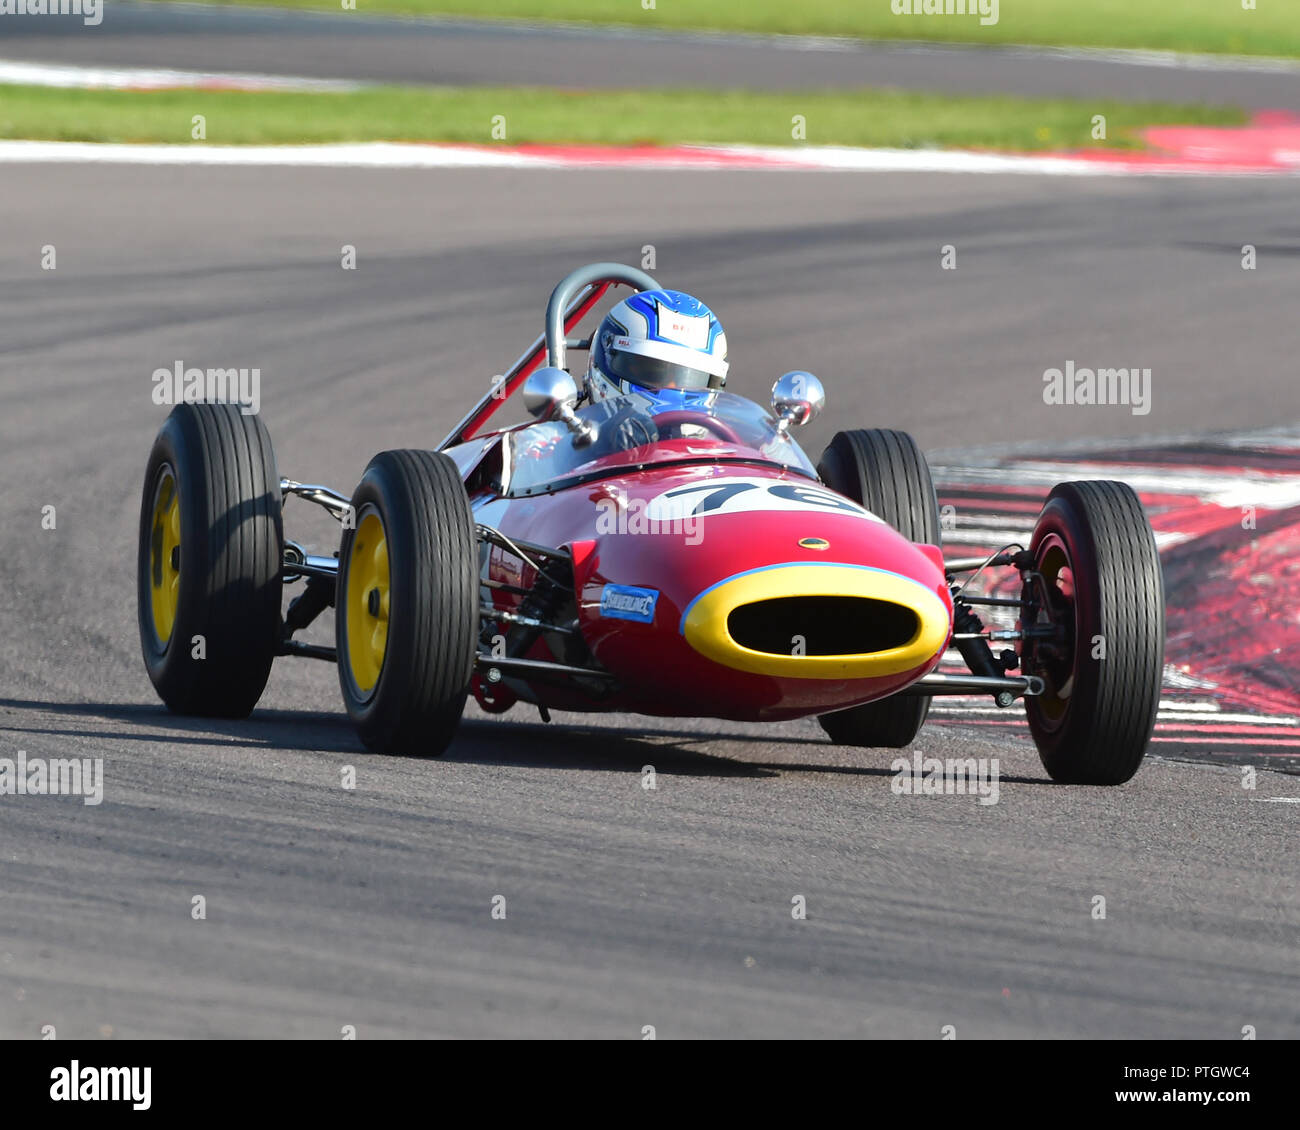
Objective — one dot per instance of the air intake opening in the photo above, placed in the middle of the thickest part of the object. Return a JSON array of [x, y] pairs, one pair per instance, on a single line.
[[828, 625]]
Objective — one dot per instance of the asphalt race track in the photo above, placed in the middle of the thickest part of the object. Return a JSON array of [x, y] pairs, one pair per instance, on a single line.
[[626, 908], [447, 51]]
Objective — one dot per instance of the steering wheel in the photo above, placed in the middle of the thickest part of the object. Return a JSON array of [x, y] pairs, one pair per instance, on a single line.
[[719, 428]]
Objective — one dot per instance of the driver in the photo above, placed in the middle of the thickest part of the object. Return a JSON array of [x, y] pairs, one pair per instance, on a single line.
[[664, 348], [656, 351]]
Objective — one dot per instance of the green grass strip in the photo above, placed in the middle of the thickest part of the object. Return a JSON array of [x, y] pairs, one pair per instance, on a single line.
[[522, 115]]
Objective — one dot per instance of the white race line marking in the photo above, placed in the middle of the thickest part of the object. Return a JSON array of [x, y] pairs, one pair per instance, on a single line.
[[1203, 721], [1145, 57], [1275, 800], [370, 155], [1255, 439], [149, 78], [1267, 491], [848, 158], [984, 536], [391, 155]]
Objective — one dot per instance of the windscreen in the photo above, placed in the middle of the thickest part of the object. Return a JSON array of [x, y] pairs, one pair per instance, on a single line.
[[634, 429]]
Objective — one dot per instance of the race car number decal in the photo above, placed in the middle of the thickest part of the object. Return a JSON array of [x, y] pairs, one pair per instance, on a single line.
[[733, 496], [627, 602]]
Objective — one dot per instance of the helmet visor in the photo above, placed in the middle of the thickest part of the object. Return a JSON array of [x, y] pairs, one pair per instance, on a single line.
[[651, 372]]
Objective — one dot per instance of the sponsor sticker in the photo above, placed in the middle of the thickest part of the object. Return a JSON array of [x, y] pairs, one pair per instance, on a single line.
[[687, 329], [626, 602]]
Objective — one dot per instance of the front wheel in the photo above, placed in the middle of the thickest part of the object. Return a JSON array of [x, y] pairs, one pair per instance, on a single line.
[[211, 552], [1096, 597], [406, 614]]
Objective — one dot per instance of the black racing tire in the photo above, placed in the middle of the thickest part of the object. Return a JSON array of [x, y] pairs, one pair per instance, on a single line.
[[886, 472], [406, 694], [1094, 721], [210, 559]]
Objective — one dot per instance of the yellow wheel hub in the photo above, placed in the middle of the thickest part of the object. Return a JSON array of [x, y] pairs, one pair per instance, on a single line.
[[367, 602], [165, 556]]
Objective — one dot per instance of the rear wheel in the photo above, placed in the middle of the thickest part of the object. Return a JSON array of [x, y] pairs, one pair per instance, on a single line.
[[210, 558], [887, 473], [406, 615], [1102, 588]]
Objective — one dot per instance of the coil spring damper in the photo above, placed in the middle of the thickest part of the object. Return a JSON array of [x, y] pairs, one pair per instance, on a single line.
[[976, 652]]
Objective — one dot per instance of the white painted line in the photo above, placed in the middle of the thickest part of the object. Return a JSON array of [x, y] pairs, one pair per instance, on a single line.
[[987, 533], [392, 155], [1147, 57], [958, 706], [369, 155], [851, 159], [1278, 491], [1285, 436], [151, 78]]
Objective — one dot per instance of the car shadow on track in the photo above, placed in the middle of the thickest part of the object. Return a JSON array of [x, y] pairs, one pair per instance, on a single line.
[[310, 731], [480, 741], [563, 745], [484, 741]]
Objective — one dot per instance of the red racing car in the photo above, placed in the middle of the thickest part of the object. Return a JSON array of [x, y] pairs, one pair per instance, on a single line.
[[614, 555]]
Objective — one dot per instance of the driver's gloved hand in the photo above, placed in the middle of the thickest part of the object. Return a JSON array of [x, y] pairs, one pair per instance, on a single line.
[[620, 425], [634, 431]]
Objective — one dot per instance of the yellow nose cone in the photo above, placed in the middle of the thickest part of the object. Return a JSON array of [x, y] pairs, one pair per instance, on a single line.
[[818, 621]]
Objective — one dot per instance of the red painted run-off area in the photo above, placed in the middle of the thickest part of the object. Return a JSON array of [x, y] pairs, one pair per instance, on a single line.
[[1270, 143], [1227, 517]]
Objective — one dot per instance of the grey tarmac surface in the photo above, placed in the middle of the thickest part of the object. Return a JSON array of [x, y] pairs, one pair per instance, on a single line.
[[625, 907], [449, 51]]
